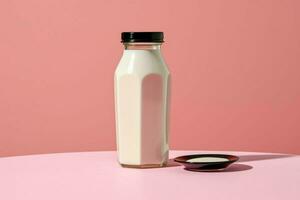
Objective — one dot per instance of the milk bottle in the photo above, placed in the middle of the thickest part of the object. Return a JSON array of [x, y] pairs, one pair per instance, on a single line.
[[142, 84]]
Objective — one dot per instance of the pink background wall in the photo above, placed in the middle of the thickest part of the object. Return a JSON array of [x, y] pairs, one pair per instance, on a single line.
[[235, 67]]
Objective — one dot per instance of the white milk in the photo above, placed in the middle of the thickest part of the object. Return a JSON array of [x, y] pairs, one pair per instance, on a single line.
[[207, 159], [141, 104]]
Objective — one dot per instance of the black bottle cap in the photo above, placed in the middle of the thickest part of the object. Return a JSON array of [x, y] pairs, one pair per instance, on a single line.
[[142, 37]]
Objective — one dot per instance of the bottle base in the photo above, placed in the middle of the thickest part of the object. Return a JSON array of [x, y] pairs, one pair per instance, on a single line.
[[144, 166]]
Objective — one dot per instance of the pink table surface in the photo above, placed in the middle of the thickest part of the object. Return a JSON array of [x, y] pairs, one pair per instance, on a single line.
[[97, 175]]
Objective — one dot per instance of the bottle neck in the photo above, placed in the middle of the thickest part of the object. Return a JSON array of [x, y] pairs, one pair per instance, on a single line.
[[142, 46]]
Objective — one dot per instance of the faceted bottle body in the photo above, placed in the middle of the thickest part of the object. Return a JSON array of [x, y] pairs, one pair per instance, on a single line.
[[141, 105]]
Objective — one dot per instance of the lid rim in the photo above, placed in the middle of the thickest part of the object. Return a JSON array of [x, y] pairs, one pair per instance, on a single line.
[[142, 37]]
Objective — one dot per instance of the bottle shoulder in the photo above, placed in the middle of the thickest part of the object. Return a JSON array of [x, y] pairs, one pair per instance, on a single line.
[[141, 63]]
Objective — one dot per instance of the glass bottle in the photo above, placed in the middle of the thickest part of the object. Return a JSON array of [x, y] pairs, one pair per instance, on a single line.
[[141, 101]]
